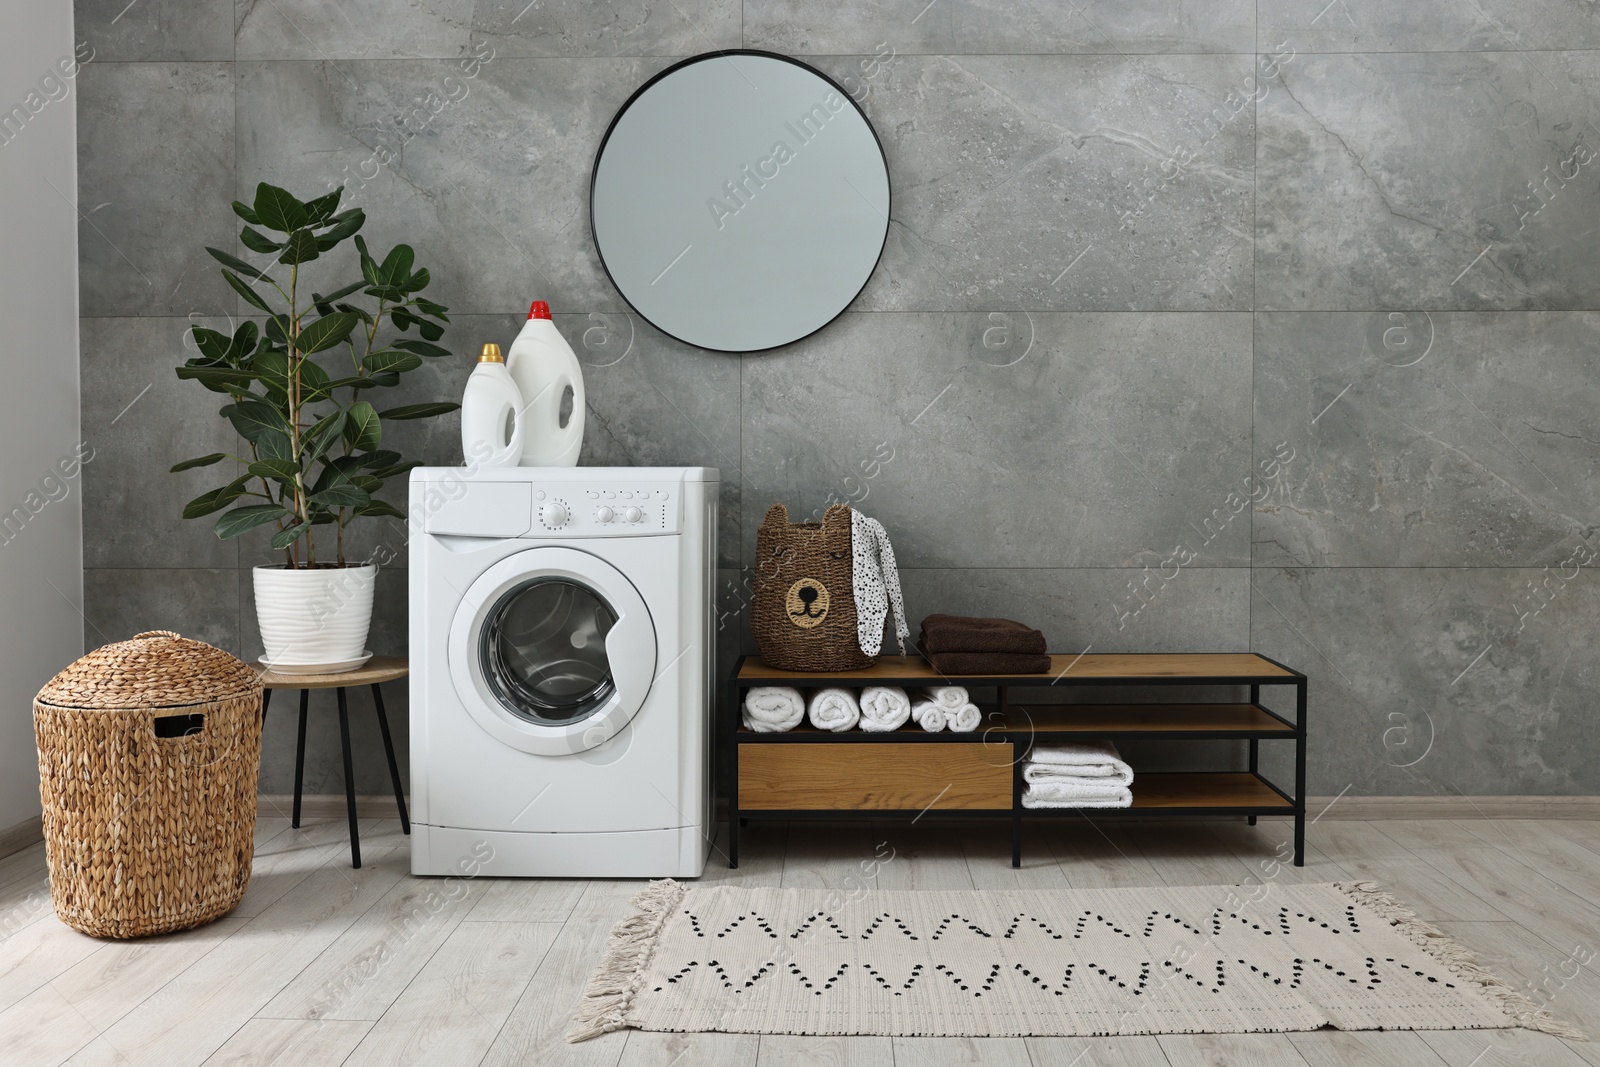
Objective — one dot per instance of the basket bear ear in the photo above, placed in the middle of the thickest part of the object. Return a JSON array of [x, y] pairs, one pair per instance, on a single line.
[[837, 513], [777, 515]]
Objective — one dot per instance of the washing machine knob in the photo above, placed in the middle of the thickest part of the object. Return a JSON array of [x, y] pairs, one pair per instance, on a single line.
[[632, 514], [605, 514], [554, 514]]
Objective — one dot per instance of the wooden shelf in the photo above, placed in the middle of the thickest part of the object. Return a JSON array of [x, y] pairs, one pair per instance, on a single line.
[[1147, 720], [1069, 669], [1192, 793], [1020, 724]]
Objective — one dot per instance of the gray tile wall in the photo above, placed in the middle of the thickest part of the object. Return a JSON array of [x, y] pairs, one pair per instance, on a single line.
[[1141, 253]]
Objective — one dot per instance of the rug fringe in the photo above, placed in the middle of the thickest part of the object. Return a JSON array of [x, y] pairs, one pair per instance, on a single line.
[[610, 992], [1457, 958]]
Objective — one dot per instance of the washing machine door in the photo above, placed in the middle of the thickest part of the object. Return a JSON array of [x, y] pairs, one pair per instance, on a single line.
[[553, 650]]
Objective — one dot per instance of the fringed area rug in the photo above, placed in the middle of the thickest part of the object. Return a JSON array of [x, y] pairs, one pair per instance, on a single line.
[[1203, 959]]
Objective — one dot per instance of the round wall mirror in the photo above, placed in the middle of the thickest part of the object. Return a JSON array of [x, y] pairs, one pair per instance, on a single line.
[[740, 201]]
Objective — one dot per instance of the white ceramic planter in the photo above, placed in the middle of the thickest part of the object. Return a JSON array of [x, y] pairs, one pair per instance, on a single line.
[[313, 618]]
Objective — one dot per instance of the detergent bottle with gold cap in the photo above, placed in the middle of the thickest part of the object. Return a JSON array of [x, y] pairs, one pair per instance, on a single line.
[[492, 417], [544, 367]]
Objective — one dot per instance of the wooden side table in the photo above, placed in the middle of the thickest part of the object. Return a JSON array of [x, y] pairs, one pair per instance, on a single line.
[[374, 672]]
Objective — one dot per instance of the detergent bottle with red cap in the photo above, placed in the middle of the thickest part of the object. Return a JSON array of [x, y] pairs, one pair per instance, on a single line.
[[544, 367]]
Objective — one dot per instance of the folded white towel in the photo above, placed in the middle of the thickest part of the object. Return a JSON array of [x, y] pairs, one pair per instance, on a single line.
[[884, 708], [1062, 793], [928, 715], [965, 719], [1097, 761], [833, 709], [949, 697], [773, 709]]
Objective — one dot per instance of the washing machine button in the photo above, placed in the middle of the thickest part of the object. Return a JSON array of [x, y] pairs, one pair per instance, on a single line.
[[633, 514], [605, 514]]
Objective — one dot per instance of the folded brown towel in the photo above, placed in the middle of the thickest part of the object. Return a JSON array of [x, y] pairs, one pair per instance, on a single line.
[[956, 633], [951, 663]]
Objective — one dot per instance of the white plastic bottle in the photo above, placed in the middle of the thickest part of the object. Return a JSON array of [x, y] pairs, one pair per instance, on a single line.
[[544, 366], [493, 422]]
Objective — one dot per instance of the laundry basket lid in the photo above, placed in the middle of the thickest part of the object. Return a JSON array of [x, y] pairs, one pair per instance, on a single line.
[[157, 669]]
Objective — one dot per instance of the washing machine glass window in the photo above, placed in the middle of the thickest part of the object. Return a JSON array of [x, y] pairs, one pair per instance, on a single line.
[[544, 651]]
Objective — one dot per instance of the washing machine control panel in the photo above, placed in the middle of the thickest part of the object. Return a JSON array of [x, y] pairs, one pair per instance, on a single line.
[[606, 510]]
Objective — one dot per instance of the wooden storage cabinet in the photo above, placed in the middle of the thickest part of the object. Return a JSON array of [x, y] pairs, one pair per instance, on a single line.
[[817, 774], [883, 777]]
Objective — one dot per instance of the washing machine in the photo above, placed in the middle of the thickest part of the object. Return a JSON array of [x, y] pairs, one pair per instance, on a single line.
[[561, 663]]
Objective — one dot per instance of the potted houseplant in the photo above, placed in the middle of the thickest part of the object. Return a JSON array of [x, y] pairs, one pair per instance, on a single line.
[[297, 388]]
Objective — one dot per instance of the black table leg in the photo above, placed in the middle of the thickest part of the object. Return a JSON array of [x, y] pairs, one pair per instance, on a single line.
[[300, 757], [266, 702], [349, 779], [388, 748], [1255, 758]]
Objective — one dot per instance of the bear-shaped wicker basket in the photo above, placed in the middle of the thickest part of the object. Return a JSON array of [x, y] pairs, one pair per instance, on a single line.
[[804, 611]]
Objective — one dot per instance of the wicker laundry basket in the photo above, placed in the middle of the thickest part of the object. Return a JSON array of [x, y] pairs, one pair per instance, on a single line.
[[803, 613], [148, 754]]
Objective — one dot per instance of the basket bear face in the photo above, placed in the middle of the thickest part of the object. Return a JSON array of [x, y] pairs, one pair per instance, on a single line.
[[804, 614]]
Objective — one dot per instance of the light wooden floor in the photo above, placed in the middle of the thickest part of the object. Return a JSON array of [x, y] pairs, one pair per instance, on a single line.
[[322, 965]]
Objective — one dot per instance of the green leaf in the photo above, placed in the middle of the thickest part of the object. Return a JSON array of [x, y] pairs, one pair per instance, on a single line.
[[337, 294], [326, 332], [218, 379], [369, 267], [397, 362], [341, 496], [253, 418], [245, 291], [361, 427], [381, 507], [277, 210], [301, 247], [227, 259], [370, 482], [418, 411], [422, 348], [245, 339], [430, 331], [215, 500], [250, 516], [279, 470], [272, 368], [381, 458], [430, 308], [385, 380], [314, 382], [256, 241], [322, 207], [345, 224], [213, 344], [206, 461], [288, 536], [396, 268], [402, 319], [276, 445], [417, 281], [246, 212], [399, 468], [317, 440]]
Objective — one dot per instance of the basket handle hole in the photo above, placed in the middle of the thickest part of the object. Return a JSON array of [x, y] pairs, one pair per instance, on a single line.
[[179, 725]]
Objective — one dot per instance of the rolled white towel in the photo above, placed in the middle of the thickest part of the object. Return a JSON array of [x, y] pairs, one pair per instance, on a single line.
[[928, 715], [833, 709], [964, 719], [949, 697], [1097, 762], [884, 708], [1063, 793], [773, 709]]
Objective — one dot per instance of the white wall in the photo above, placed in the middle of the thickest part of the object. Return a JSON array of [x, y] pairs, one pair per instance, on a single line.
[[41, 539]]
